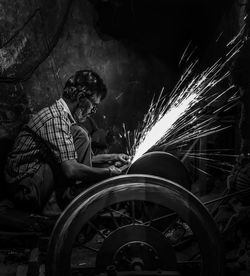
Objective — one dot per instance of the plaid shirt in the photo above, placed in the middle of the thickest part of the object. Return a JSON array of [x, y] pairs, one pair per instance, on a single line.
[[47, 136]]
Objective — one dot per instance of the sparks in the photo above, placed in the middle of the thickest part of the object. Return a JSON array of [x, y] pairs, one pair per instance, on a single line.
[[215, 159], [164, 125], [183, 117]]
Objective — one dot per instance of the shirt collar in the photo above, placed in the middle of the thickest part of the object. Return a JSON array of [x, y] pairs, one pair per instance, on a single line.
[[66, 109]]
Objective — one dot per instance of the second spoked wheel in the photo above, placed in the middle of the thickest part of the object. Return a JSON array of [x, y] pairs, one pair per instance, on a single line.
[[135, 225]]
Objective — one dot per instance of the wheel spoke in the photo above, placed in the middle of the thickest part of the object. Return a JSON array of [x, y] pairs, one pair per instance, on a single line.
[[125, 215], [159, 218], [97, 230], [194, 257], [146, 213], [169, 226], [113, 217], [90, 248]]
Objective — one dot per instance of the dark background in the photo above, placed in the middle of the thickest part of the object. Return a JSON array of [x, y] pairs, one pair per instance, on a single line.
[[134, 45]]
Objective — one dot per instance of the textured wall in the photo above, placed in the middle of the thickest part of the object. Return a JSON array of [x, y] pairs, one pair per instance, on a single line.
[[28, 30], [131, 79]]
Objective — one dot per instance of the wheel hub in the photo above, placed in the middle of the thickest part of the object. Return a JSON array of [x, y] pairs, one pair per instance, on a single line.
[[137, 256], [136, 247]]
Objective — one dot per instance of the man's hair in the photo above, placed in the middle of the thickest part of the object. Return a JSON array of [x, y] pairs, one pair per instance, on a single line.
[[86, 82]]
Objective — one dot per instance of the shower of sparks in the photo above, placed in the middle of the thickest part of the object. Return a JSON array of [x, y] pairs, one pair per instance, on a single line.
[[189, 112], [184, 53], [219, 36], [217, 159], [186, 56]]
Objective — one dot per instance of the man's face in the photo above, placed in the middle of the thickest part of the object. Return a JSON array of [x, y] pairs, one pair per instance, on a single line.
[[86, 107]]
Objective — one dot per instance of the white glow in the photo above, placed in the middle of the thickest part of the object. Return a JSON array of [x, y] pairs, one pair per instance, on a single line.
[[185, 115], [163, 125]]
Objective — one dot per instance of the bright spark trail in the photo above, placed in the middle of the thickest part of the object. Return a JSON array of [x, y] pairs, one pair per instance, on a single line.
[[184, 116], [163, 125], [215, 159]]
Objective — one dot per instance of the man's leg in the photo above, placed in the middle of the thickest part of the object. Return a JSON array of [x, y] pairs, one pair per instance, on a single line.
[[66, 192], [33, 192]]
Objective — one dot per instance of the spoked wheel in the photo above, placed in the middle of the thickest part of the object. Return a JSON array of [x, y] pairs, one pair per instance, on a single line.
[[112, 229]]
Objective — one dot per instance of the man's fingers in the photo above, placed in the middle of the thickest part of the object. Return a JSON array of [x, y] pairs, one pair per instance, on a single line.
[[124, 158], [118, 164], [124, 167], [113, 171]]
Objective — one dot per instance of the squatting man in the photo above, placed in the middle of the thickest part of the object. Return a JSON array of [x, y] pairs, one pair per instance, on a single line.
[[52, 153]]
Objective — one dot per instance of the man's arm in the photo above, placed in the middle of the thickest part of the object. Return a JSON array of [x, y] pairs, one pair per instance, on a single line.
[[111, 158], [103, 158], [76, 171]]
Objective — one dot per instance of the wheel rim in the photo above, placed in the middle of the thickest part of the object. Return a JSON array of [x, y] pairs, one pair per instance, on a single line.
[[131, 188]]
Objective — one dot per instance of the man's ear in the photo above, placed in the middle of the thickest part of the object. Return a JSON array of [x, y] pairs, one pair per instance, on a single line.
[[80, 96]]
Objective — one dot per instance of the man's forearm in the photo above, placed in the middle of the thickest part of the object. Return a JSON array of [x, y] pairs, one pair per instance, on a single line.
[[86, 172], [77, 171], [103, 158]]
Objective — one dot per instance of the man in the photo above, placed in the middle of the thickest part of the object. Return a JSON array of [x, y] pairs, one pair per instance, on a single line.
[[52, 152]]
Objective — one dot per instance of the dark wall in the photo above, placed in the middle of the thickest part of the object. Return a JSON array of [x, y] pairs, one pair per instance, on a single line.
[[134, 47], [131, 78]]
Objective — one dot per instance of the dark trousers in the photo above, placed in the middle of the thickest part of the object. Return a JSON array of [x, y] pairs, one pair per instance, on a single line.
[[33, 192]]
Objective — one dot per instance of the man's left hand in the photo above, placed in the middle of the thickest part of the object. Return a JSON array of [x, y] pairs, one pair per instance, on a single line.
[[122, 157]]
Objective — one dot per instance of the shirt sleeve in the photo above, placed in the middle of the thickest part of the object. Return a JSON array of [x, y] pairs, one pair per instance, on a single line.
[[82, 143], [57, 135]]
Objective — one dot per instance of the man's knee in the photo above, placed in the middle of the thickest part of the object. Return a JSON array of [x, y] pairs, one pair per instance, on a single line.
[[32, 192]]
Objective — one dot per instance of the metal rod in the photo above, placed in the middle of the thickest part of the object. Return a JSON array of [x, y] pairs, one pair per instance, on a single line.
[[227, 196]]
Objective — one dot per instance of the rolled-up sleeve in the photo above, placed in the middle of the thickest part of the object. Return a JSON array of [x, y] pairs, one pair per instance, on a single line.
[[58, 137]]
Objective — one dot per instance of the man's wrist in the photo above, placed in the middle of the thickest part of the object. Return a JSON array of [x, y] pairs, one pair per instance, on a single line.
[[112, 170], [114, 157], [109, 171]]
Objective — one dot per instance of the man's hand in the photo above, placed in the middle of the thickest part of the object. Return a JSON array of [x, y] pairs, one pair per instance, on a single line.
[[114, 171], [121, 159]]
